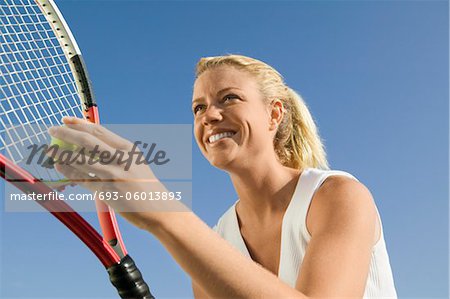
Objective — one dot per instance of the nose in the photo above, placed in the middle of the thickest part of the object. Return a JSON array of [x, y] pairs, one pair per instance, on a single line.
[[212, 115]]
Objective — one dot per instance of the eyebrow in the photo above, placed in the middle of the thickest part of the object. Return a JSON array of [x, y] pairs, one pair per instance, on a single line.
[[219, 92]]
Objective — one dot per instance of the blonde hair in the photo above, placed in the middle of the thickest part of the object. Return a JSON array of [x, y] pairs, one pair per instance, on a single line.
[[297, 142]]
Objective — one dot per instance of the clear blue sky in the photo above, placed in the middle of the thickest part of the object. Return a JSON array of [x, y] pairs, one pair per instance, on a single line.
[[374, 74]]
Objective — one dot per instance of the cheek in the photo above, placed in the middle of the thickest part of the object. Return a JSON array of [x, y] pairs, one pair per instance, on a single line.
[[197, 132], [198, 136], [258, 120], [259, 129]]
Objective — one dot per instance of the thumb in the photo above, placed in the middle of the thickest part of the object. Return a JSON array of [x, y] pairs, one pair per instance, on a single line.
[[71, 120]]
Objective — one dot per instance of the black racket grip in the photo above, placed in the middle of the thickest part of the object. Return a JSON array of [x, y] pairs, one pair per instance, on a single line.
[[128, 280]]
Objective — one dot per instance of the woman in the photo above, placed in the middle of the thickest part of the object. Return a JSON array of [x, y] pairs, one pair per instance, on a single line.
[[298, 229]]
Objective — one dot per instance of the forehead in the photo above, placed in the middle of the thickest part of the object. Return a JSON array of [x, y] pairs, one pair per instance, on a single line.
[[220, 78]]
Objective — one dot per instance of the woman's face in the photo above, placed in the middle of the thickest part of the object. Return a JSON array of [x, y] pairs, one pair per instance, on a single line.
[[231, 120]]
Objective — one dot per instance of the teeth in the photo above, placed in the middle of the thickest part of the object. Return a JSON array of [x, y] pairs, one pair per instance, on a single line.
[[219, 136]]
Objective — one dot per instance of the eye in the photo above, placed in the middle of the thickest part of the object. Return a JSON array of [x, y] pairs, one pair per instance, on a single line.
[[197, 108], [229, 97]]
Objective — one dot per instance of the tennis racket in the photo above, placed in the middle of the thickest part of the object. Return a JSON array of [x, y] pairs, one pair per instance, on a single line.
[[42, 79]]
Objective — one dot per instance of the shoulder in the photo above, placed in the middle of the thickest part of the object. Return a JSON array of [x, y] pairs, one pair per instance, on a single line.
[[339, 203], [341, 188]]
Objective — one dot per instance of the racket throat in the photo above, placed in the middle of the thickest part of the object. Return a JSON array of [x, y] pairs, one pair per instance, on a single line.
[[110, 229], [115, 245]]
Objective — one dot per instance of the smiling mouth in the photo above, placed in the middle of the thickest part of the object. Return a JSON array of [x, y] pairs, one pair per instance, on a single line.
[[216, 137]]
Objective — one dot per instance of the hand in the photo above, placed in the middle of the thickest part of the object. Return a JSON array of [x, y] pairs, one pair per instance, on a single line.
[[97, 163]]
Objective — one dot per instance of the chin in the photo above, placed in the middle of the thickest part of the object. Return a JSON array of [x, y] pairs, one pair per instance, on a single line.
[[222, 163]]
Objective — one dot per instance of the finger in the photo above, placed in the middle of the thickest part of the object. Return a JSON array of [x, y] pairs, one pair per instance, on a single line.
[[98, 131], [84, 164], [75, 176], [103, 163], [112, 169], [68, 120], [79, 138]]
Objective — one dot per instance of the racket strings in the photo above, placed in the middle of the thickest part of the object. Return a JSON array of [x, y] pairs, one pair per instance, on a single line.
[[37, 87]]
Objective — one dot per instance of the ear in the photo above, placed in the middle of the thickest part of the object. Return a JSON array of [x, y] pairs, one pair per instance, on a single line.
[[276, 113]]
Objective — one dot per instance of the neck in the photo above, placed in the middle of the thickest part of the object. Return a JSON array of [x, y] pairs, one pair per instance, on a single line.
[[264, 189]]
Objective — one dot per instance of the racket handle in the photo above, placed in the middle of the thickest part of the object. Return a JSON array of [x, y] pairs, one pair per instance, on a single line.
[[128, 280]]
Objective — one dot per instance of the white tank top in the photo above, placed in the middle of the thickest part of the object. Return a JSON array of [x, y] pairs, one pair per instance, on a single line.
[[295, 237]]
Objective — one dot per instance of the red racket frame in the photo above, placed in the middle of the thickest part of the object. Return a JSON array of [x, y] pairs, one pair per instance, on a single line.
[[101, 246]]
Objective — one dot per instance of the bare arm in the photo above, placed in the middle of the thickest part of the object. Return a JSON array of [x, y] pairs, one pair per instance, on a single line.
[[198, 292], [215, 266], [219, 269], [336, 263]]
